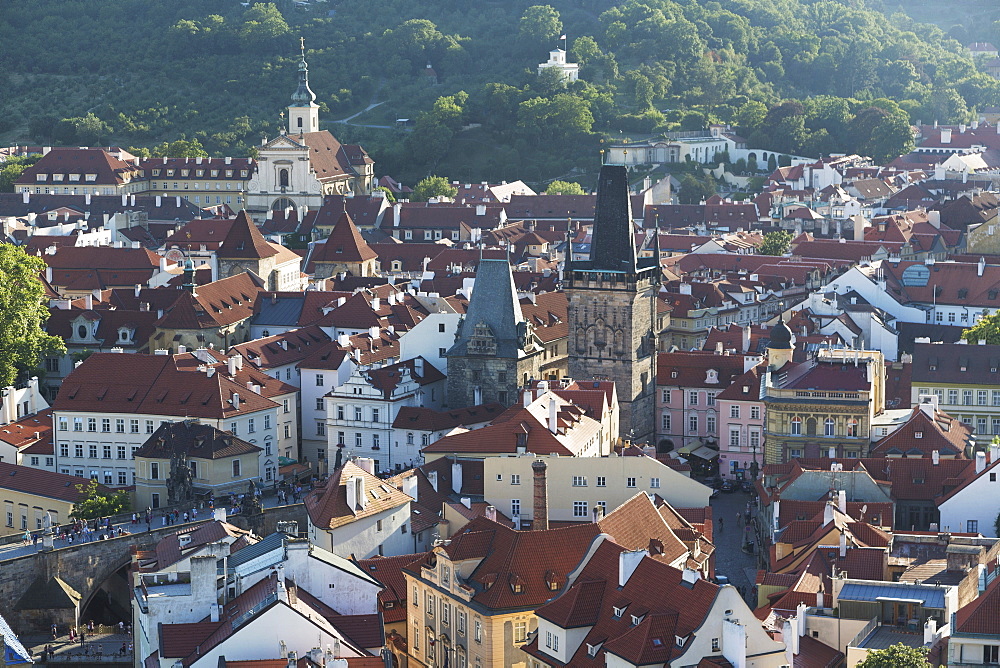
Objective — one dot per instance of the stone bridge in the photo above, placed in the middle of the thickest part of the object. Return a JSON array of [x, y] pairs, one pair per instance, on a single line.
[[58, 586]]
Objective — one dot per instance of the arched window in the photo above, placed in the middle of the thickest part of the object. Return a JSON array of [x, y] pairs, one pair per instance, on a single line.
[[852, 428], [299, 121], [810, 426], [283, 178], [796, 426], [828, 427]]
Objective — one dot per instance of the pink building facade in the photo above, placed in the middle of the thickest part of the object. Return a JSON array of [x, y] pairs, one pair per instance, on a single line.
[[741, 427]]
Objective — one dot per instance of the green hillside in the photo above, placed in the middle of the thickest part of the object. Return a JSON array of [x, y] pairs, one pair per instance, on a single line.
[[144, 72]]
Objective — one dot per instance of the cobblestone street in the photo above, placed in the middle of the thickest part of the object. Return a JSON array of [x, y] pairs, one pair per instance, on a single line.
[[730, 559]]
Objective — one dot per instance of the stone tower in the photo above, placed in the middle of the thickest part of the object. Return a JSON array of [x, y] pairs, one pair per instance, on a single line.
[[612, 308], [246, 249], [495, 351]]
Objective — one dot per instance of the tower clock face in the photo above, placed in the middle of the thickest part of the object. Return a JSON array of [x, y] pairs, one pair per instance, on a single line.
[[175, 255]]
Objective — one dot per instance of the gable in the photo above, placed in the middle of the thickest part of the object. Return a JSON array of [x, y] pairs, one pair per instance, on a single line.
[[279, 142]]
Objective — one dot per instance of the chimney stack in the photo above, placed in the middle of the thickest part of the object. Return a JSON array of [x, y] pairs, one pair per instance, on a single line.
[[980, 462], [540, 504]]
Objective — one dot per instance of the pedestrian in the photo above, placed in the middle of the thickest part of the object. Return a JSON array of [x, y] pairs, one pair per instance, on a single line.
[[90, 626], [55, 631], [83, 637], [722, 524], [185, 517], [124, 645], [121, 626], [27, 538], [72, 634]]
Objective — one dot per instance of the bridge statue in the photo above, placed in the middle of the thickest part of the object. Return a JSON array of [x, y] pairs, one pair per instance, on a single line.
[[180, 483]]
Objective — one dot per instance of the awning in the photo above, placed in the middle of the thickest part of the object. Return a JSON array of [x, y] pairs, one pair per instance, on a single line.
[[705, 453]]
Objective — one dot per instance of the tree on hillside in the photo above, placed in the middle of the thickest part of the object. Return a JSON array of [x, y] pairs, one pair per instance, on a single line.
[[540, 25], [263, 25], [433, 186], [896, 656], [987, 329], [180, 148], [565, 188], [775, 243], [96, 503], [23, 311]]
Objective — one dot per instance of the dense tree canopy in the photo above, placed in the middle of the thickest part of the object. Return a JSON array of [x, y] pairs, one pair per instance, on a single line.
[[433, 186], [23, 311], [775, 243], [96, 504], [796, 76]]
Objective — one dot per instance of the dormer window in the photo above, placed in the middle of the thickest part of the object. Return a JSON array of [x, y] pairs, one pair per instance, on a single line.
[[170, 172], [637, 619], [619, 612], [215, 173], [156, 172], [200, 172], [185, 172], [41, 177], [91, 177], [57, 177], [229, 173], [81, 332], [124, 334], [712, 376]]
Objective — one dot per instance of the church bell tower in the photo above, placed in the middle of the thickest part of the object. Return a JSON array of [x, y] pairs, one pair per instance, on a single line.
[[303, 112], [612, 308]]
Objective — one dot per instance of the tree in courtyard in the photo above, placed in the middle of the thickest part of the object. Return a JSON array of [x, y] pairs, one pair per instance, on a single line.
[[96, 502], [775, 243], [433, 186], [565, 188], [896, 656], [23, 311], [986, 329]]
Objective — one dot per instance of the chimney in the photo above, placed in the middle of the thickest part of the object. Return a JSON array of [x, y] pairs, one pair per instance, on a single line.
[[981, 266], [827, 513], [418, 366], [26, 197], [236, 400], [480, 209], [690, 576], [980, 462], [231, 364], [994, 452], [935, 457], [842, 501], [628, 561], [491, 513], [598, 513], [456, 477], [843, 545], [553, 416], [467, 502], [540, 504], [213, 612], [293, 659], [945, 135], [343, 340], [376, 303]]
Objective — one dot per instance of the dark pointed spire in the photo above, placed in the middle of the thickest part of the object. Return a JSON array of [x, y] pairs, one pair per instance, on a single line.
[[612, 245], [303, 95]]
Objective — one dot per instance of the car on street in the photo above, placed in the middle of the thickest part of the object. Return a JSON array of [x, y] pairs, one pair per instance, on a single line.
[[728, 486]]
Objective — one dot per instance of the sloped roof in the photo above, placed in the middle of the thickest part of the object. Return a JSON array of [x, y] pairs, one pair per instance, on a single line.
[[344, 244], [327, 505], [193, 439], [244, 241]]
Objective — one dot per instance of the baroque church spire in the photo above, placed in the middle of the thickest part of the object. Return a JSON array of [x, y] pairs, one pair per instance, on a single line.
[[303, 95]]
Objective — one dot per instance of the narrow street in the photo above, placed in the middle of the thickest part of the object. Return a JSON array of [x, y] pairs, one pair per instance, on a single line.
[[729, 535]]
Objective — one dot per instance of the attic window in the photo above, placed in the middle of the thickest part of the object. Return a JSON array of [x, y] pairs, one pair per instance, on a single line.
[[963, 293], [993, 294], [637, 619], [673, 374], [918, 434], [619, 612]]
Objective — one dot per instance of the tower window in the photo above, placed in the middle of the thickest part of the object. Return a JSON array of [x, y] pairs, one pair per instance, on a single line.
[[299, 121]]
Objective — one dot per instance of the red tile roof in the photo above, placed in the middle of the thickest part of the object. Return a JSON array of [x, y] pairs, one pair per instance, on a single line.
[[921, 436], [153, 384], [344, 244], [36, 482], [982, 615], [244, 241], [667, 607], [328, 507]]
